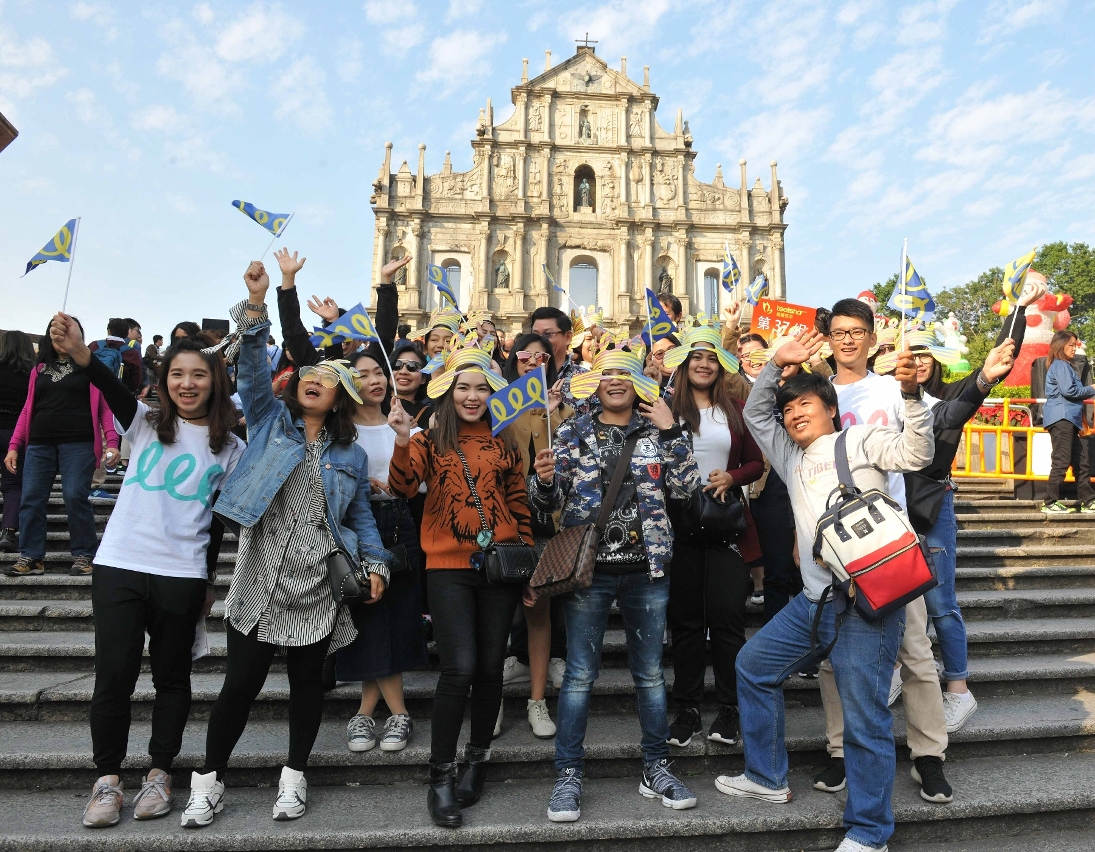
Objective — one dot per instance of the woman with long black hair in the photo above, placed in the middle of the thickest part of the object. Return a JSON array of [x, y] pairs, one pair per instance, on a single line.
[[710, 579], [60, 428], [182, 451], [16, 364], [299, 494]]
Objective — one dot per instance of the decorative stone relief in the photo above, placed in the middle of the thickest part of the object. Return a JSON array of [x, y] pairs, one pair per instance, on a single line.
[[665, 181], [610, 190], [505, 176], [536, 117], [535, 180], [636, 125], [637, 182]]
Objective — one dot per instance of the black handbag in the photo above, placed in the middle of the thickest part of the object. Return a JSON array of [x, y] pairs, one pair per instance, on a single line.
[[708, 520], [923, 500], [503, 563], [349, 581], [400, 561]]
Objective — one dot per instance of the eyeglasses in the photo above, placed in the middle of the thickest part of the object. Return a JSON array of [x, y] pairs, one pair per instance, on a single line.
[[659, 355], [538, 357], [323, 377], [550, 335], [839, 334], [922, 357], [409, 366]]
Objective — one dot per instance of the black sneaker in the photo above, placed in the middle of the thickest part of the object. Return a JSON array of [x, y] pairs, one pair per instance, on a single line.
[[685, 726], [927, 771], [831, 779], [725, 728], [9, 541], [659, 782]]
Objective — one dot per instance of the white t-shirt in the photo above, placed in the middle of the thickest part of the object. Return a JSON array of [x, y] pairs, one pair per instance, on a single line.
[[378, 442], [160, 523], [711, 447]]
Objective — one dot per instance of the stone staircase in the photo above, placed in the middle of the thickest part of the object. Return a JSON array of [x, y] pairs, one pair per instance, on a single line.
[[1022, 768]]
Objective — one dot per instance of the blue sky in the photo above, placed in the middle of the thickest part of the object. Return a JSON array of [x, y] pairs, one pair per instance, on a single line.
[[968, 127]]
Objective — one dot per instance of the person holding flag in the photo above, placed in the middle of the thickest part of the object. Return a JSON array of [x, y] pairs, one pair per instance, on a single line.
[[61, 248], [275, 223], [911, 297], [731, 272]]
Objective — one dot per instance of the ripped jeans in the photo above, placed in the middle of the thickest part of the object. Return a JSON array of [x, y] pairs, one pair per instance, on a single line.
[[942, 601], [642, 603]]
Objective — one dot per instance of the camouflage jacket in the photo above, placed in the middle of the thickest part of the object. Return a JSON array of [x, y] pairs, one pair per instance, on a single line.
[[662, 462]]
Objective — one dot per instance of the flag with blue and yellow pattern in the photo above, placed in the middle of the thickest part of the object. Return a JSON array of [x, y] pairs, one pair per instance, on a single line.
[[439, 278], [1015, 276], [916, 302], [355, 324], [272, 222], [731, 272], [756, 289], [59, 248]]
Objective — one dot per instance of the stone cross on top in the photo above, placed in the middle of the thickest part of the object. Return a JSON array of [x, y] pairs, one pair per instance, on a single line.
[[586, 43]]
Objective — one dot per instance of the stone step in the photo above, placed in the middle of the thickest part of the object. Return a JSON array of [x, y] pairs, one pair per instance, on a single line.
[[1024, 520], [1027, 554], [988, 507], [1012, 637], [996, 797], [1029, 534], [1058, 841], [973, 578]]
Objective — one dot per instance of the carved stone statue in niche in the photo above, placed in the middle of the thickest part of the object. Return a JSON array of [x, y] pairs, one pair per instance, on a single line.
[[665, 281], [584, 194], [635, 129], [637, 182], [501, 276], [400, 277], [585, 129], [536, 117], [535, 182]]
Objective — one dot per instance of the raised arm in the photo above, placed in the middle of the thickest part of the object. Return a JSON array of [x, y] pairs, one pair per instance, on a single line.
[[760, 417], [913, 448], [295, 336], [66, 338], [410, 464], [252, 369]]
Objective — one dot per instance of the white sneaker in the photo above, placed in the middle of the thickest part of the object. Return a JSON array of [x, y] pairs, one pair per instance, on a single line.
[[849, 845], [498, 724], [557, 667], [895, 687], [361, 733], [957, 709], [739, 785], [514, 672], [206, 799], [542, 726], [292, 795]]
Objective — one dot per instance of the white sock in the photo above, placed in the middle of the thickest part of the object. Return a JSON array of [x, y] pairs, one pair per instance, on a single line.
[[963, 696]]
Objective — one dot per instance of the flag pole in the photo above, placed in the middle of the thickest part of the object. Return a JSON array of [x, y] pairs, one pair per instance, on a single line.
[[543, 373], [71, 263], [278, 234], [1016, 310], [901, 283]]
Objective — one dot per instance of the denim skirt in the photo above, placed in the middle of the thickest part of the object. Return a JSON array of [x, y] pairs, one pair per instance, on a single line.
[[390, 637]]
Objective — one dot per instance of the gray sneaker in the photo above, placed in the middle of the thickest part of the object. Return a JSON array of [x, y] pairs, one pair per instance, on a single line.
[[397, 731], [104, 808], [361, 733], [566, 798], [659, 781]]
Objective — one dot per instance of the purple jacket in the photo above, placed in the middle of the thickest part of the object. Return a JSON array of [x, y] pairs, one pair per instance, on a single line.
[[101, 420]]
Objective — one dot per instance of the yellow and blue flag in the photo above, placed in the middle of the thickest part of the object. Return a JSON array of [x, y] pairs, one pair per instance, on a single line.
[[551, 280], [515, 399], [755, 290], [1015, 276], [659, 325], [272, 222], [731, 272], [355, 324], [916, 302], [439, 277], [59, 248]]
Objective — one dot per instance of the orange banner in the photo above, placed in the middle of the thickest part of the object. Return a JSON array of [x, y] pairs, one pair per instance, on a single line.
[[773, 318]]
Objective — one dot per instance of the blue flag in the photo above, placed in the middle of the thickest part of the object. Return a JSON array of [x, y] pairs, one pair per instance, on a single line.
[[551, 280], [439, 277], [1015, 276], [731, 272], [659, 325], [59, 248], [272, 222], [755, 290], [515, 399], [355, 324], [917, 302]]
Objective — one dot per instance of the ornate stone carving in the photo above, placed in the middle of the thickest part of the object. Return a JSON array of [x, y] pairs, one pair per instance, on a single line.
[[535, 181], [635, 126], [501, 275], [536, 116], [665, 281], [505, 176], [637, 182], [584, 193], [610, 191], [665, 181]]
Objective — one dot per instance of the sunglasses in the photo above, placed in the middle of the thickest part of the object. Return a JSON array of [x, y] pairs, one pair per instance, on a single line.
[[322, 377], [538, 357], [409, 366]]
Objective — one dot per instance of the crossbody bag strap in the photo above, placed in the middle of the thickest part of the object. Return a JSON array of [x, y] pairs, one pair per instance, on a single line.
[[476, 500], [622, 465]]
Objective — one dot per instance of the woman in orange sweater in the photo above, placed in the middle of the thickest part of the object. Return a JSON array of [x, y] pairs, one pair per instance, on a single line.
[[470, 618]]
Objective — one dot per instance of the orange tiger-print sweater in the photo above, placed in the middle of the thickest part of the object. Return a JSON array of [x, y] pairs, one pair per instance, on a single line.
[[449, 521]]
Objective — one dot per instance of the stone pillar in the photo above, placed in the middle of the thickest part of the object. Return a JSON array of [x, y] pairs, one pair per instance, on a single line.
[[745, 258], [522, 114], [420, 181], [682, 187], [380, 248], [743, 194], [684, 271], [415, 279], [648, 183], [622, 307], [773, 197], [541, 288], [482, 279], [778, 286], [517, 279], [647, 281], [522, 168]]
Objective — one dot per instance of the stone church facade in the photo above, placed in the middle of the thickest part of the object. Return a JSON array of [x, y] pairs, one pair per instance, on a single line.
[[582, 178]]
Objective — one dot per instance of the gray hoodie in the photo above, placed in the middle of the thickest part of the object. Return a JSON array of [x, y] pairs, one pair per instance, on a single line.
[[811, 474]]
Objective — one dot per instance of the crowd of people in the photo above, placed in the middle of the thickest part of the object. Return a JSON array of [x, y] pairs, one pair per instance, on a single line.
[[381, 454]]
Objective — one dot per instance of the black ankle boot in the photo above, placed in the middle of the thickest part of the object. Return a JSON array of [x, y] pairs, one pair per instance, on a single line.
[[441, 799], [472, 774]]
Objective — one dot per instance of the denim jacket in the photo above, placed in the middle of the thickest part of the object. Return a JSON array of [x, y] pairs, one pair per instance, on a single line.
[[1065, 395], [662, 462], [276, 446]]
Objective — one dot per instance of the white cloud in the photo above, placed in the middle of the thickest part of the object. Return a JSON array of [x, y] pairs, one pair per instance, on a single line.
[[181, 204], [1005, 18], [458, 58], [386, 12], [193, 152], [210, 82], [800, 61], [784, 134], [301, 98], [27, 65], [619, 26], [350, 60], [159, 117], [88, 109], [261, 33], [924, 22], [98, 13], [462, 9], [203, 13]]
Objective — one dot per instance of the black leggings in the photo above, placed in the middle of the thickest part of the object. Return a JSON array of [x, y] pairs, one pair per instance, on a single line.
[[707, 591], [1068, 450], [248, 664], [470, 625], [127, 604]]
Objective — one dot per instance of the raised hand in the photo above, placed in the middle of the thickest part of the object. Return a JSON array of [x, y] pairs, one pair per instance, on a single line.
[[800, 348], [1034, 289], [999, 361], [544, 465], [288, 262], [257, 281], [326, 308], [905, 372], [555, 397], [392, 267], [401, 422], [658, 413], [733, 313], [65, 335]]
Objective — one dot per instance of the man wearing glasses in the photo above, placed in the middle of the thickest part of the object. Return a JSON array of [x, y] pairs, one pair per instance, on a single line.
[[556, 326]]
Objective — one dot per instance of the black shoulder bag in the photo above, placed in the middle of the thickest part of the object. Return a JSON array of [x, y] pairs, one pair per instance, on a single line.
[[503, 562]]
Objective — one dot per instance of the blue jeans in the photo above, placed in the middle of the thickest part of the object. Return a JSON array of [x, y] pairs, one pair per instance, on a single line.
[[863, 661], [76, 463], [942, 601], [642, 603]]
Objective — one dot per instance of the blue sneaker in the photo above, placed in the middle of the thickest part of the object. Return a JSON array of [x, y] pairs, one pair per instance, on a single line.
[[103, 494], [659, 781], [566, 798]]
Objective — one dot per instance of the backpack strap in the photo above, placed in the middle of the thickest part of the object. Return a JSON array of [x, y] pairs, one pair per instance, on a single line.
[[843, 469], [622, 465]]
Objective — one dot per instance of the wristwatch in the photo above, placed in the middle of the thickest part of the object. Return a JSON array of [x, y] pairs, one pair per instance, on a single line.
[[917, 394], [985, 384]]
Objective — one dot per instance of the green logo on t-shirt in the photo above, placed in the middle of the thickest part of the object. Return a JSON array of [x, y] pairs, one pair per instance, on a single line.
[[175, 474]]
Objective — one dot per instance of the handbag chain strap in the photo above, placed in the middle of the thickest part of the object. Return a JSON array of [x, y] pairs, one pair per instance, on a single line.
[[479, 504], [623, 464]]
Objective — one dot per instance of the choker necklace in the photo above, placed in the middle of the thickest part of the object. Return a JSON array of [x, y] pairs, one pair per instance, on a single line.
[[188, 419]]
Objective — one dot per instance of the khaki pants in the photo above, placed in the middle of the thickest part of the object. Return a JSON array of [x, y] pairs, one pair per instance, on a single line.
[[927, 728]]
